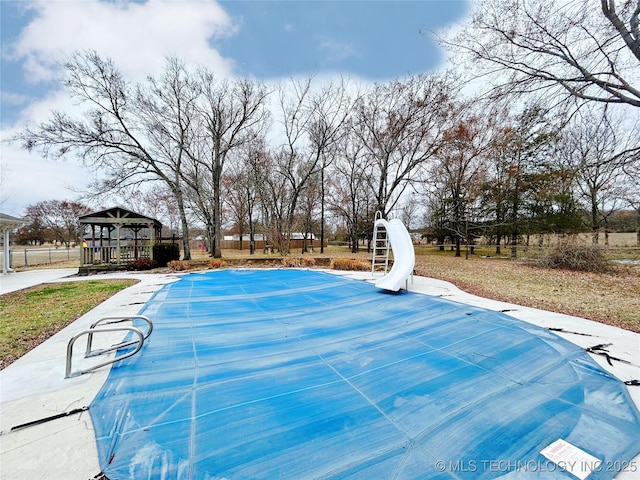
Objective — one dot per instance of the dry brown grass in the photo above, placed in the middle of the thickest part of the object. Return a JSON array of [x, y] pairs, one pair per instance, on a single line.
[[305, 262], [217, 263], [612, 298], [350, 264], [178, 266]]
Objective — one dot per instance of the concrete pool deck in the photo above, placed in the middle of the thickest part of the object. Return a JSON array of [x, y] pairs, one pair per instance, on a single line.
[[34, 387]]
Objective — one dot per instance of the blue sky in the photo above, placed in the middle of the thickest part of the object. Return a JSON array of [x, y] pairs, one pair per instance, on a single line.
[[269, 40], [373, 39]]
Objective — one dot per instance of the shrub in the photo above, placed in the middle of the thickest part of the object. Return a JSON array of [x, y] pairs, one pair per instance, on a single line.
[[163, 253], [141, 264], [298, 262], [217, 263], [307, 262], [290, 262], [178, 265], [570, 256], [350, 264]]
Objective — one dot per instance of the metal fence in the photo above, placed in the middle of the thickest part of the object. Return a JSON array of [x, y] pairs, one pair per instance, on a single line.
[[29, 257]]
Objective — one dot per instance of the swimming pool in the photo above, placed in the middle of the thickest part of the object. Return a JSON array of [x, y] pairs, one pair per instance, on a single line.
[[305, 374]]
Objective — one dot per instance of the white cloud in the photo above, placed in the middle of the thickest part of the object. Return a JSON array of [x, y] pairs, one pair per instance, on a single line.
[[31, 179], [39, 111], [336, 52], [8, 98], [136, 36]]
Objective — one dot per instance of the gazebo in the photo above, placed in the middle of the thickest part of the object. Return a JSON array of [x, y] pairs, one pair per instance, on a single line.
[[8, 223], [116, 236]]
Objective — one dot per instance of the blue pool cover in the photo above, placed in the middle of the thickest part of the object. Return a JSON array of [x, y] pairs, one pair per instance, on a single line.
[[294, 374]]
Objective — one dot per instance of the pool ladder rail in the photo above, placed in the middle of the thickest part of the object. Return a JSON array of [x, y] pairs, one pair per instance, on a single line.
[[101, 326]]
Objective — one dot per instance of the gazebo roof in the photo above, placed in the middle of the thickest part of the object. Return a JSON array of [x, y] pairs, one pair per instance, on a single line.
[[118, 215]]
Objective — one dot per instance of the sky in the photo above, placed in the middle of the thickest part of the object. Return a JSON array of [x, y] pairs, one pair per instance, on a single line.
[[269, 40]]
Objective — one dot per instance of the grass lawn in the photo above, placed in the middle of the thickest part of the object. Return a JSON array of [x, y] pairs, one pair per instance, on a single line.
[[32, 315]]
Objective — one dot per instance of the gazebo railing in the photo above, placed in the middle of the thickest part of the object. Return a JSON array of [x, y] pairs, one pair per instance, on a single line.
[[109, 255]]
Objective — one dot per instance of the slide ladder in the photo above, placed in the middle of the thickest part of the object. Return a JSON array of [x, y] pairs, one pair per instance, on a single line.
[[100, 327], [380, 246]]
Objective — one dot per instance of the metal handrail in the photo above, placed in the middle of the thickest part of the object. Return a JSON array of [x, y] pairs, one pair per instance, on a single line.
[[111, 321], [139, 343]]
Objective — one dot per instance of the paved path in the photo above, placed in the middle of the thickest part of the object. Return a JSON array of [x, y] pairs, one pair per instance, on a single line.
[[11, 282]]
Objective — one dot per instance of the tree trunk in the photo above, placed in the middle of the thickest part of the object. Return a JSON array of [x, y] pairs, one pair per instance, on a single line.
[[594, 223], [322, 211], [353, 239], [216, 248], [186, 251]]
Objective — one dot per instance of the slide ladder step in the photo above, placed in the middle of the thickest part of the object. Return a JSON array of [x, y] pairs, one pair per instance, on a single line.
[[381, 247]]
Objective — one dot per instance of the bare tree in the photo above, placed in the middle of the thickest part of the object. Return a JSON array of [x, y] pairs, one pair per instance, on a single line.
[[312, 123], [329, 110], [461, 170], [632, 192], [275, 192], [240, 193], [60, 217], [600, 154], [122, 133], [234, 114], [156, 200], [311, 199], [400, 125], [350, 192], [167, 109], [589, 53], [436, 211], [253, 170]]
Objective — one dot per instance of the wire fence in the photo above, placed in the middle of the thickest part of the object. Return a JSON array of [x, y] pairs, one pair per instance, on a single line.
[[30, 257], [523, 251]]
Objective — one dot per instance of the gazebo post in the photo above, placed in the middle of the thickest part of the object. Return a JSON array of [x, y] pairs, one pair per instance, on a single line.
[[109, 229], [152, 240], [118, 259], [7, 223], [6, 255], [102, 259]]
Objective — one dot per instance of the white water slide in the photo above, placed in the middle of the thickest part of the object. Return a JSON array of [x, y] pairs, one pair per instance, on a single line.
[[404, 256]]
